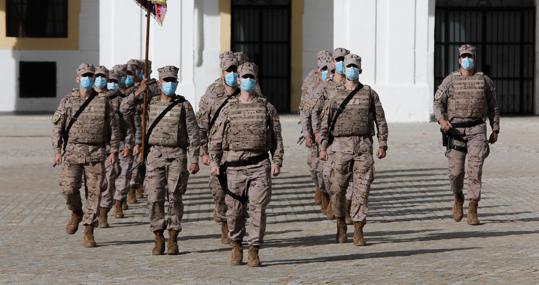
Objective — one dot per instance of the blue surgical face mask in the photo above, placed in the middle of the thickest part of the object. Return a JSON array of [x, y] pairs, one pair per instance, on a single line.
[[113, 86], [169, 88], [100, 82], [231, 79], [325, 75], [129, 80], [86, 82], [339, 67], [352, 73], [248, 84], [467, 63]]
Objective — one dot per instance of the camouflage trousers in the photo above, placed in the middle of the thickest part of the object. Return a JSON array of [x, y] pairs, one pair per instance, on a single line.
[[356, 164], [475, 140], [166, 178], [324, 172], [219, 211], [116, 182], [135, 177], [253, 181], [71, 179], [313, 162]]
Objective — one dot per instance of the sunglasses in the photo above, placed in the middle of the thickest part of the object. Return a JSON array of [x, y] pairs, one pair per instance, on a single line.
[[170, 79], [87, 75], [466, 55], [340, 58], [232, 69], [324, 68], [248, 76]]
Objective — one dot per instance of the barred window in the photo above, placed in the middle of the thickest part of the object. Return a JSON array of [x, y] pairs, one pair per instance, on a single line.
[[37, 79], [36, 18]]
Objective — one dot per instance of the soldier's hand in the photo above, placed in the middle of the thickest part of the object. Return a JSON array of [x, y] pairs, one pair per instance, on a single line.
[[214, 171], [136, 150], [142, 87], [206, 159], [381, 153], [317, 137], [112, 158], [57, 159], [194, 168], [493, 138], [125, 152], [323, 155], [308, 141], [445, 125], [275, 170]]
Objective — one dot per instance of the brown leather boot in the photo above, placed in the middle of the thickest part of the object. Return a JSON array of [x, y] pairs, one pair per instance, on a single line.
[[347, 217], [131, 196], [118, 211], [103, 213], [253, 260], [472, 213], [88, 239], [341, 231], [317, 194], [224, 233], [324, 202], [159, 247], [172, 246], [457, 207], [73, 223], [140, 192], [124, 205], [329, 212], [236, 258], [359, 240]]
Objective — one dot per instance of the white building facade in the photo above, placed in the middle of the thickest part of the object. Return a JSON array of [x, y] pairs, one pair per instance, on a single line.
[[401, 47]]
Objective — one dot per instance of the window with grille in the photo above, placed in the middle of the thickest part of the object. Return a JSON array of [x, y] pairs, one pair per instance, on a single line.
[[37, 79], [36, 18]]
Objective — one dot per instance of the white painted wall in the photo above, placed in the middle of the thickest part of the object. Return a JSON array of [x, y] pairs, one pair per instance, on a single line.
[[67, 62], [317, 31]]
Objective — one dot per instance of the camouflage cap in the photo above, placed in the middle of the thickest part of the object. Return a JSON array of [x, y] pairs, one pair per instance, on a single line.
[[323, 58], [134, 62], [340, 52], [228, 61], [352, 59], [142, 63], [120, 68], [102, 70], [85, 68], [168, 71], [226, 54], [248, 68], [467, 49], [116, 74], [241, 57]]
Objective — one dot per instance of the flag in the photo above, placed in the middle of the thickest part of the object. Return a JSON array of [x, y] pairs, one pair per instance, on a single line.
[[158, 9]]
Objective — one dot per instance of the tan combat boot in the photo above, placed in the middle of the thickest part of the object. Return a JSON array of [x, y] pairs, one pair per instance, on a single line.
[[347, 217], [472, 213], [103, 212], [341, 231], [73, 223], [131, 196], [236, 258], [118, 211], [457, 207], [359, 240], [172, 246], [88, 239], [329, 212], [159, 247], [253, 260], [324, 202], [140, 192], [317, 194], [224, 233], [124, 205]]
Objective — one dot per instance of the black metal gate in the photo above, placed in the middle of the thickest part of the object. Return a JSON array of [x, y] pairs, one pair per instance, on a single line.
[[505, 41], [261, 29]]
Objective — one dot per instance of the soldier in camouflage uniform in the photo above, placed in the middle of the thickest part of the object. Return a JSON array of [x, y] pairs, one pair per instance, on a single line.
[[462, 103], [247, 129], [353, 145], [217, 94], [174, 139], [118, 175], [85, 142], [307, 103]]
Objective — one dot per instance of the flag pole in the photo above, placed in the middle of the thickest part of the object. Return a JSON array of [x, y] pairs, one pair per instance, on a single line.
[[146, 76]]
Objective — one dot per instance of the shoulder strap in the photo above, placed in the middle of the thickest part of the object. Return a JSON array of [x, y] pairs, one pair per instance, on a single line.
[[216, 115], [341, 108], [75, 117], [175, 102]]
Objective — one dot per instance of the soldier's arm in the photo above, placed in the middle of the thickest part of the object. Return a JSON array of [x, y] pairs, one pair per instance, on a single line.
[[112, 124], [493, 110], [130, 129], [204, 121], [380, 120], [59, 121], [137, 123], [278, 154], [324, 126], [316, 113], [217, 135], [305, 119], [440, 99], [192, 132]]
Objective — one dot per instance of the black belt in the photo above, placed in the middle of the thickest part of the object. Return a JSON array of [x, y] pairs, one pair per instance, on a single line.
[[468, 124], [246, 162]]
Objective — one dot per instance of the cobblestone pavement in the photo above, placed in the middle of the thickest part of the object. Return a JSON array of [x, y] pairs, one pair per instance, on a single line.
[[412, 239]]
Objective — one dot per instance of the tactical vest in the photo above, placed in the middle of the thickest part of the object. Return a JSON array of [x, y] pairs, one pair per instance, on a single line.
[[354, 120], [467, 97], [248, 127], [90, 127], [171, 130]]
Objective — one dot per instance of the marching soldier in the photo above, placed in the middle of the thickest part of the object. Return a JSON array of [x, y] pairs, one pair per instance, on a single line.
[[214, 100], [84, 124], [462, 103], [172, 140], [248, 128], [348, 124]]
